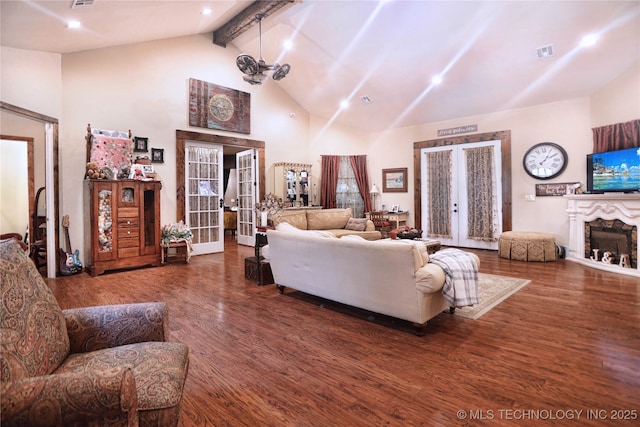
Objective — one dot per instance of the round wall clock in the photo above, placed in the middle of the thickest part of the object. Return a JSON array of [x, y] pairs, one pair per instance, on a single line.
[[545, 160]]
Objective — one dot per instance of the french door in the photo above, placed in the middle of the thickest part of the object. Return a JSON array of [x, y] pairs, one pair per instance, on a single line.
[[461, 194], [204, 198], [247, 167]]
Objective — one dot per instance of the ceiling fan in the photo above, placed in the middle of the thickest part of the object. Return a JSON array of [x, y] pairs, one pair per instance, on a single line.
[[254, 70]]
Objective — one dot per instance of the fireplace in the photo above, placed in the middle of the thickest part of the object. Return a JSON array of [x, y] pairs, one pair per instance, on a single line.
[[604, 226], [613, 236]]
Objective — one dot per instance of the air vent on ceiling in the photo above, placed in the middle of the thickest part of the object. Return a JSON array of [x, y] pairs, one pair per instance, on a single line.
[[82, 3], [365, 99], [545, 51]]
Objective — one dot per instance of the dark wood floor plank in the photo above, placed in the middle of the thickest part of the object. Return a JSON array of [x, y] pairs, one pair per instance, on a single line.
[[568, 341]]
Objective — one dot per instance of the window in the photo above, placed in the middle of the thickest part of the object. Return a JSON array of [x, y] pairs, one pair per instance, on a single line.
[[347, 192]]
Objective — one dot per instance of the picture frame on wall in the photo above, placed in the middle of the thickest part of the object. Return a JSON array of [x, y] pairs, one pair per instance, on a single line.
[[157, 155], [140, 144], [394, 180]]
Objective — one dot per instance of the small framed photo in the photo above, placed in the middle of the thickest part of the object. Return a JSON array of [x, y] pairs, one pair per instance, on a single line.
[[157, 155], [394, 208], [147, 169], [394, 180], [137, 172], [140, 144]]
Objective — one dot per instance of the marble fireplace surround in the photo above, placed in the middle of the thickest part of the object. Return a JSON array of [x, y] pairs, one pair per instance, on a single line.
[[584, 208]]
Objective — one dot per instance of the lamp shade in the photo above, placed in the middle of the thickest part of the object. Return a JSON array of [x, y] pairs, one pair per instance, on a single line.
[[374, 189]]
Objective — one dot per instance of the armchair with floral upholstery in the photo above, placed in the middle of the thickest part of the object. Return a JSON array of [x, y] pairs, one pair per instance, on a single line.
[[107, 365]]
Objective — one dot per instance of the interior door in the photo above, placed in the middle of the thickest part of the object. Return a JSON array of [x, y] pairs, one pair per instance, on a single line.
[[462, 194], [204, 198], [247, 165]]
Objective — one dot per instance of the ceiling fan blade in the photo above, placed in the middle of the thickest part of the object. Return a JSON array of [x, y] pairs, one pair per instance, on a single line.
[[247, 64], [281, 72]]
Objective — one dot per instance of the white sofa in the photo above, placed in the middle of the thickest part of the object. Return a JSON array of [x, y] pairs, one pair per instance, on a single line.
[[390, 277], [337, 221]]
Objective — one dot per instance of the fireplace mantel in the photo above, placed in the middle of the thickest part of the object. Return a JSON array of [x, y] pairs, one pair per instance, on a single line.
[[583, 208]]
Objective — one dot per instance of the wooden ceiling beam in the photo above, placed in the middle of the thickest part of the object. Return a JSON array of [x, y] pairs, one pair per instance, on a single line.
[[246, 19]]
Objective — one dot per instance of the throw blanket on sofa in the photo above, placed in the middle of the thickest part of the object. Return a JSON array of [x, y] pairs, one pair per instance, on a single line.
[[461, 277]]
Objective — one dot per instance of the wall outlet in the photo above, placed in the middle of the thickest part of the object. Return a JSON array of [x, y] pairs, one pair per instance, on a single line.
[[530, 197]]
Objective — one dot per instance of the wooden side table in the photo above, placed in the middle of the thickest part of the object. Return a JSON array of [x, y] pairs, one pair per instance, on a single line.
[[256, 268], [180, 248]]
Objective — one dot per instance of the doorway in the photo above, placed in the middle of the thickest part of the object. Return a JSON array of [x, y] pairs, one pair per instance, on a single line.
[[229, 144], [461, 192], [17, 120], [505, 206]]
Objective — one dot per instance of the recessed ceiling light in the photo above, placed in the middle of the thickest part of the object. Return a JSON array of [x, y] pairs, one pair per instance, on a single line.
[[206, 11], [589, 40], [287, 45], [436, 80], [73, 24], [344, 104]]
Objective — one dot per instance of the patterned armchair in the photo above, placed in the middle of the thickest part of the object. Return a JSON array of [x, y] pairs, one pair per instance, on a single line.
[[107, 365]]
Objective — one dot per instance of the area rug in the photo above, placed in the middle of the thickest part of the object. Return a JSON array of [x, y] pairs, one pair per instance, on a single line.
[[492, 290]]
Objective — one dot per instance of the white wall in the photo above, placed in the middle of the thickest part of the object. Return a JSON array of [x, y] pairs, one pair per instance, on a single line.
[[144, 87], [619, 101], [32, 81], [565, 123], [14, 181]]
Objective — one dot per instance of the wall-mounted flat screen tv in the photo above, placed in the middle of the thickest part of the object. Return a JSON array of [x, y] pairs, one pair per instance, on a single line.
[[614, 171]]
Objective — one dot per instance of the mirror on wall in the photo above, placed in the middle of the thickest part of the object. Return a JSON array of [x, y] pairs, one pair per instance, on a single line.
[[292, 182]]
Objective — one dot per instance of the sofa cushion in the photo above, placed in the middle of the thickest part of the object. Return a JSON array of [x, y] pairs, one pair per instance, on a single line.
[[159, 368], [327, 219], [285, 226], [356, 224], [34, 338], [366, 235], [295, 218]]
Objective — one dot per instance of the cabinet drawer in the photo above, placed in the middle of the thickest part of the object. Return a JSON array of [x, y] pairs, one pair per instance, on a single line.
[[126, 233], [128, 222], [128, 213], [128, 243], [128, 252]]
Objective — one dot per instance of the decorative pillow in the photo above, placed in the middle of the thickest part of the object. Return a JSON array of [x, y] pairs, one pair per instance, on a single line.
[[356, 224], [352, 237], [285, 226]]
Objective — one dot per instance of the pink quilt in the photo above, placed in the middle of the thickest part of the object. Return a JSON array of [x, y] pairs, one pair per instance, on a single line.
[[111, 151]]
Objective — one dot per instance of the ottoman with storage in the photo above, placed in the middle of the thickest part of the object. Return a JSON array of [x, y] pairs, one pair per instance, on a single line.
[[527, 246]]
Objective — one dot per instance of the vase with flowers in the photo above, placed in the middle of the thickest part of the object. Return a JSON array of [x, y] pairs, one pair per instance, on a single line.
[[268, 207]]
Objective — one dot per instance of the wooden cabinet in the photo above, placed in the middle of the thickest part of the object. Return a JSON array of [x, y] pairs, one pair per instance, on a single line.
[[292, 183], [122, 224]]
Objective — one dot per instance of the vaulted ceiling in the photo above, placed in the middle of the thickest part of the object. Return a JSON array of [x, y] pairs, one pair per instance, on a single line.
[[486, 52]]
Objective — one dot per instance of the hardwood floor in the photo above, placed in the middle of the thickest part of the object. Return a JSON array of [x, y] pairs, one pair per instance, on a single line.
[[566, 344]]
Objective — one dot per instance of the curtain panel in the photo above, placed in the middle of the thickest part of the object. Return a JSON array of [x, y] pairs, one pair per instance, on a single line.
[[359, 165], [330, 170], [616, 136], [439, 165], [482, 221]]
